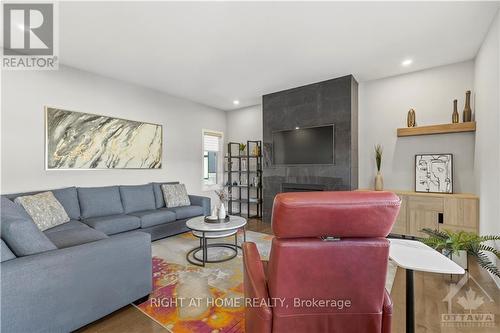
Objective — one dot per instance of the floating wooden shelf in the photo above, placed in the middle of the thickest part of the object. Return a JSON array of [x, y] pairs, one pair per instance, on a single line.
[[438, 129]]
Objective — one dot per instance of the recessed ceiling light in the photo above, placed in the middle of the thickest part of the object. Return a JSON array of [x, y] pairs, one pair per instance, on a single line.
[[407, 62], [236, 102], [297, 127]]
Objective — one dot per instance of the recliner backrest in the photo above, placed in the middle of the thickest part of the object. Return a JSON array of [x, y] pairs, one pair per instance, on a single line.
[[329, 258]]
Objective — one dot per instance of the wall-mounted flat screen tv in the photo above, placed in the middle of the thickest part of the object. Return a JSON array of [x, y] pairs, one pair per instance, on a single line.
[[311, 145]]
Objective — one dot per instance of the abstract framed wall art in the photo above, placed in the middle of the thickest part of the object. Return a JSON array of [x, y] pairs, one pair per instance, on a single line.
[[434, 173], [77, 140]]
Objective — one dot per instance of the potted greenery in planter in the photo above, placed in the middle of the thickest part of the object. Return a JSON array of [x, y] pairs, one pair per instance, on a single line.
[[242, 148], [457, 245]]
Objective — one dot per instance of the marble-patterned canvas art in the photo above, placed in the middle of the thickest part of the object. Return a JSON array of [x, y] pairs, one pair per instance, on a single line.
[[77, 140]]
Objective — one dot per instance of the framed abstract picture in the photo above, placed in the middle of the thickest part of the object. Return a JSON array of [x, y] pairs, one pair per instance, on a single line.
[[434, 173], [77, 140]]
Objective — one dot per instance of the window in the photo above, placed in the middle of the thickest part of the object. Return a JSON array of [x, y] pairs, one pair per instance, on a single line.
[[212, 157]]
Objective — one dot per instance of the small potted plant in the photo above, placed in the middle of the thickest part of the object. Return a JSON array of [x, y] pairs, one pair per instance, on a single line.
[[222, 197], [379, 180], [242, 148], [457, 245]]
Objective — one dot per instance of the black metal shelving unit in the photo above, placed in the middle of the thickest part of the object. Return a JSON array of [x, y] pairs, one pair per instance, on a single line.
[[244, 178]]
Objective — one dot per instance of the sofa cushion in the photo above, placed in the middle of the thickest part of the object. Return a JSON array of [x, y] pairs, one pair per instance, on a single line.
[[6, 253], [68, 225], [175, 195], [99, 201], [20, 232], [74, 236], [137, 198], [69, 200], [45, 210], [154, 217], [114, 224], [160, 201], [185, 212]]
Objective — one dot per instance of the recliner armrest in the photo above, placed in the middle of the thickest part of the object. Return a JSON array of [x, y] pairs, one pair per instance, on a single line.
[[258, 315], [201, 201]]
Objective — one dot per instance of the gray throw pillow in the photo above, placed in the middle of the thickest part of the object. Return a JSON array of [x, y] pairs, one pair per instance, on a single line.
[[175, 195], [44, 209], [20, 233]]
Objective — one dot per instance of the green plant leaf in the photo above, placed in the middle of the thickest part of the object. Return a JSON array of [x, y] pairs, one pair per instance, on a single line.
[[484, 262]]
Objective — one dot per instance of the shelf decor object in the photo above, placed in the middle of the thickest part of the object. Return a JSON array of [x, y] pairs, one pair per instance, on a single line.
[[455, 117], [411, 119], [434, 173], [438, 129], [244, 178], [467, 114], [379, 180]]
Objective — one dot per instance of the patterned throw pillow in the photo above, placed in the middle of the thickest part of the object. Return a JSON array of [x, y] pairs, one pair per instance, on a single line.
[[175, 195], [44, 209]]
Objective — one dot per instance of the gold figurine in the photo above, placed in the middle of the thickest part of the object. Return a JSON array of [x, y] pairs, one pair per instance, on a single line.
[[411, 120]]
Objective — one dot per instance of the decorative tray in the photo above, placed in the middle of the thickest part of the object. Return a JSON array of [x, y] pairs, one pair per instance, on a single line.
[[225, 220]]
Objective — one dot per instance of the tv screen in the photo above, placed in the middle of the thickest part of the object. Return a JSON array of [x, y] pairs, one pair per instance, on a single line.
[[312, 145]]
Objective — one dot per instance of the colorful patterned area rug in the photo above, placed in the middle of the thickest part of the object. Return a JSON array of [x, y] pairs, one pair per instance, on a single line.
[[187, 298]]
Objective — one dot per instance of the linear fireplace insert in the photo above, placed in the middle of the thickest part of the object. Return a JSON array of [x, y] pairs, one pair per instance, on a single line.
[[294, 187]]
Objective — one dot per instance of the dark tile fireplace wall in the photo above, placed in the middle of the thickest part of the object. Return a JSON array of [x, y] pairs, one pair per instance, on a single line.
[[329, 102]]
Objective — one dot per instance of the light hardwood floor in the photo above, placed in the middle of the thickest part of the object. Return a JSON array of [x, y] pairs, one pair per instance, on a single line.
[[430, 289]]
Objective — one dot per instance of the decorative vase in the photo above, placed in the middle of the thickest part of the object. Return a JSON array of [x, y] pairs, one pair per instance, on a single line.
[[460, 259], [455, 117], [411, 119], [467, 114], [379, 182], [222, 211]]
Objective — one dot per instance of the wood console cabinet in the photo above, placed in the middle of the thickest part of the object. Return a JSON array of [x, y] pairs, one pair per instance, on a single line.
[[436, 211]]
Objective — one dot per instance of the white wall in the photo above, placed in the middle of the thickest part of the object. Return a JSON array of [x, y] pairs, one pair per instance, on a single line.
[[25, 93], [244, 124], [383, 106], [487, 86]]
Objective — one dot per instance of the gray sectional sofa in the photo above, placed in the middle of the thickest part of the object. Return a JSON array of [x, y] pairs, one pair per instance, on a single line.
[[75, 273]]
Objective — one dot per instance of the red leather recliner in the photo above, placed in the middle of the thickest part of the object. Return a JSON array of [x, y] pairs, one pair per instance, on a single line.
[[317, 284]]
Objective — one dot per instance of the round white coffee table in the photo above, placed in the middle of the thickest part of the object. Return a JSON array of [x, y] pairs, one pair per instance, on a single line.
[[205, 231]]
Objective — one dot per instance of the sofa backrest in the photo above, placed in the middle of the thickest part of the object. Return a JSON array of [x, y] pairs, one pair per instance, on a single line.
[[87, 202], [99, 201], [67, 196], [136, 198]]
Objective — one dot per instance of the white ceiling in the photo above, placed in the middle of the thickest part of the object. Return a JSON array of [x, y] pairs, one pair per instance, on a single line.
[[214, 53]]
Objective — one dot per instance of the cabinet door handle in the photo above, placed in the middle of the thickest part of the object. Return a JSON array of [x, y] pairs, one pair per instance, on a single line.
[[440, 218]]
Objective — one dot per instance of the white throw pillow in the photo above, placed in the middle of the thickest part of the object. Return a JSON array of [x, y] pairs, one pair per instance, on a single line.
[[44, 209], [175, 195]]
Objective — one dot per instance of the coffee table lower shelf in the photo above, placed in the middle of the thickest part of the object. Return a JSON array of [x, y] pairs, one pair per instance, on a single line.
[[192, 257]]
